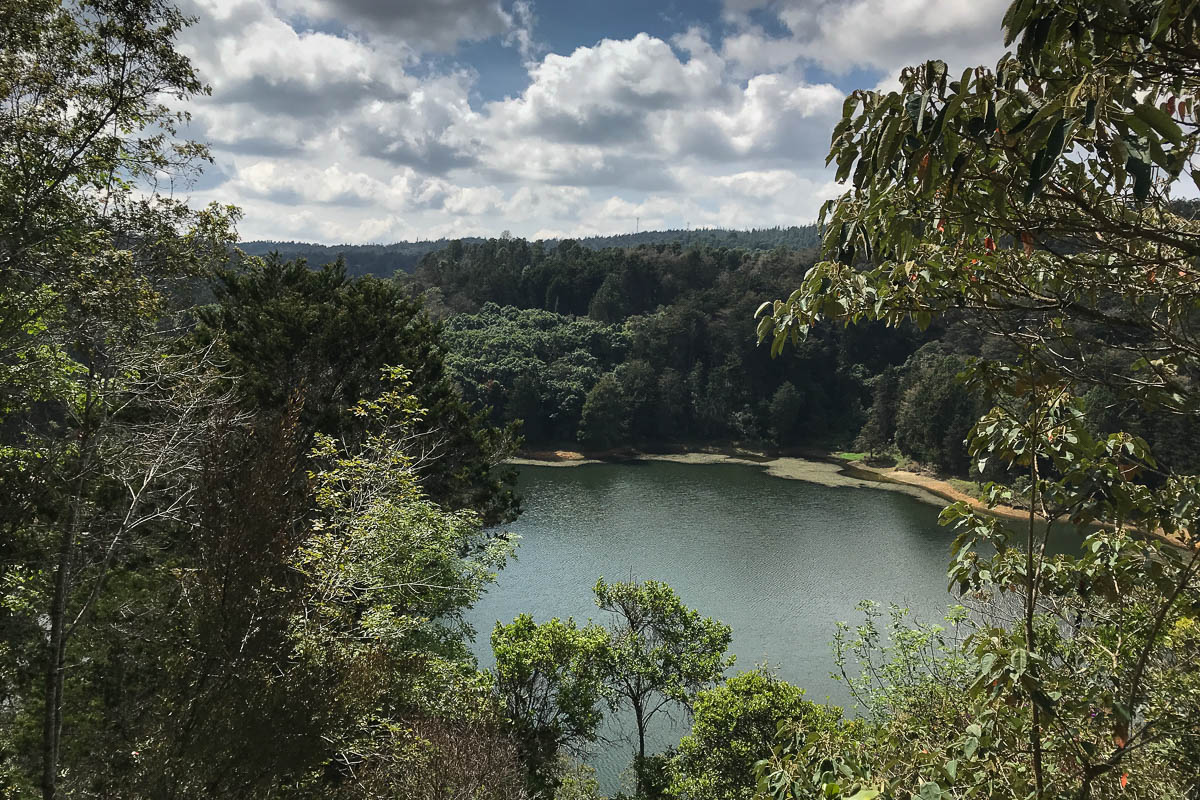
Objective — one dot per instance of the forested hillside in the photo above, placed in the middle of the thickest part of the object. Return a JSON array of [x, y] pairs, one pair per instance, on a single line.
[[381, 260], [648, 346]]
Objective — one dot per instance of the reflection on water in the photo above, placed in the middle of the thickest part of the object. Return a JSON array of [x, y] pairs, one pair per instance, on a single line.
[[779, 560]]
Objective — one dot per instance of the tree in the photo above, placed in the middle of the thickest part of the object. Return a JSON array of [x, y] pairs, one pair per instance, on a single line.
[[1035, 200], [530, 365], [221, 634], [879, 430], [913, 679], [733, 726], [1042, 209], [335, 614], [290, 329], [94, 395], [436, 758], [577, 782], [387, 576], [661, 653], [608, 303], [787, 405], [551, 680], [525, 404], [639, 386], [936, 411], [101, 503], [604, 421], [674, 412]]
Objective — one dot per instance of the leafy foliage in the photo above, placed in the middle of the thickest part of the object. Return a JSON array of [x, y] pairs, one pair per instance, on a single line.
[[687, 372], [386, 569], [101, 421], [604, 420], [733, 725], [387, 577], [552, 681]]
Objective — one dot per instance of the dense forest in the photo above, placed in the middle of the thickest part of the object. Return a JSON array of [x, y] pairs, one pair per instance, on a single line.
[[644, 346], [246, 502], [648, 347], [384, 260]]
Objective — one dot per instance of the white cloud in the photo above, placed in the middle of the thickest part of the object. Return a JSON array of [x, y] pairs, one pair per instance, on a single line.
[[430, 128], [520, 34], [300, 185], [350, 131], [607, 92], [884, 35], [623, 112], [754, 51]]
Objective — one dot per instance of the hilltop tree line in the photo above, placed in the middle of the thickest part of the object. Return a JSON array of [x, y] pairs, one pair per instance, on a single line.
[[380, 260], [385, 260]]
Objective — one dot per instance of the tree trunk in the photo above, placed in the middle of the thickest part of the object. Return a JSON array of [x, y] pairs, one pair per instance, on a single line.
[[56, 647], [55, 663], [1035, 728], [641, 729]]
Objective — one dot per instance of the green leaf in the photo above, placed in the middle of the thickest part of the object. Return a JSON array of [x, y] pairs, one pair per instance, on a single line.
[[864, 794], [1167, 13], [1139, 167], [850, 104], [1015, 19], [1158, 119], [1057, 141], [934, 71], [912, 107]]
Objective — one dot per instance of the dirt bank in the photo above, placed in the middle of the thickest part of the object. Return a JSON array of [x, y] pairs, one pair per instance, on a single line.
[[827, 471]]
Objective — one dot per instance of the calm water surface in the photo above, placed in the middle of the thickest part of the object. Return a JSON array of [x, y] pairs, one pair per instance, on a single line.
[[779, 560]]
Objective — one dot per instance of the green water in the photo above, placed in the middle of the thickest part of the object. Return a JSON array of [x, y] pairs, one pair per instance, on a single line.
[[779, 560]]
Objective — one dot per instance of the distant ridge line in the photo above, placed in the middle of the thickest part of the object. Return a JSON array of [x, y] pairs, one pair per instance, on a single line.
[[387, 259]]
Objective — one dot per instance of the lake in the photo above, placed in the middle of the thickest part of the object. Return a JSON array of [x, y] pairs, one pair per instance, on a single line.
[[779, 560]]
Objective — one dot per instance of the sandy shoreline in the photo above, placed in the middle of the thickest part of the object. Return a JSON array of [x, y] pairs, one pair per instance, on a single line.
[[830, 471], [827, 470]]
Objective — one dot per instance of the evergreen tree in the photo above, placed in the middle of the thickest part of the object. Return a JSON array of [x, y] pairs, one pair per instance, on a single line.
[[319, 338]]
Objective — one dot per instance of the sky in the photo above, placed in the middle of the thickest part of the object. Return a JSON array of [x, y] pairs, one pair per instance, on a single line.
[[360, 121]]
